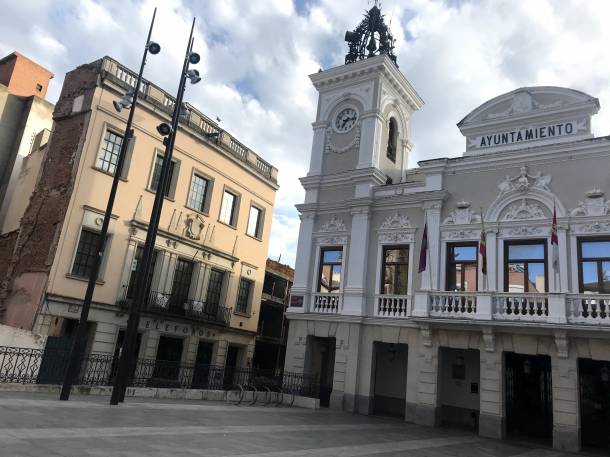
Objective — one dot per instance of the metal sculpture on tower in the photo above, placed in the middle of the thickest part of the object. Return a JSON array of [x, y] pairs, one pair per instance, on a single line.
[[372, 37]]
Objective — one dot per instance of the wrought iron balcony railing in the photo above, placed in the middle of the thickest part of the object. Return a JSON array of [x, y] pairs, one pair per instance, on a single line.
[[160, 302]]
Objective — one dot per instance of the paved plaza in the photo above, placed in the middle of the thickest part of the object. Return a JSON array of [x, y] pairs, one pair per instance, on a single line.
[[37, 425]]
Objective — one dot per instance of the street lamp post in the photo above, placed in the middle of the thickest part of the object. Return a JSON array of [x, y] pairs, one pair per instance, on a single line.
[[128, 359], [128, 101]]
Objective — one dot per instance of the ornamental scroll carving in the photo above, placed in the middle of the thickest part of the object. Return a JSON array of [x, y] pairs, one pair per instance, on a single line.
[[333, 225], [193, 226], [524, 182], [594, 205], [523, 210]]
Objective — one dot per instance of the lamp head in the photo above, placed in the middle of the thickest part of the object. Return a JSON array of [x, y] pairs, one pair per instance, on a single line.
[[125, 102], [193, 76], [153, 47], [194, 58], [164, 129]]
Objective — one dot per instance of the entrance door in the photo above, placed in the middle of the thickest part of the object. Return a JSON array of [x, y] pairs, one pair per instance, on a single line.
[[390, 381], [167, 363], [55, 360], [529, 396], [321, 365], [203, 361], [594, 403], [117, 352], [230, 365]]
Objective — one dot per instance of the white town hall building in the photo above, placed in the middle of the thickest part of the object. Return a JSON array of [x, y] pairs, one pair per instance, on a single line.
[[521, 351]]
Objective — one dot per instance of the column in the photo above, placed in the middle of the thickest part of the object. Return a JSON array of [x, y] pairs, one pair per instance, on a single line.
[[491, 397], [303, 264], [317, 148], [430, 278], [566, 403], [354, 294]]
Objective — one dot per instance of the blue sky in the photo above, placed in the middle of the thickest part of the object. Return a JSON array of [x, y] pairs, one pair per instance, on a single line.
[[257, 55]]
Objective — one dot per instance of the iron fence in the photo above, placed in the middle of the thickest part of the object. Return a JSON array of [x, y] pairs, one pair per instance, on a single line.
[[38, 366]]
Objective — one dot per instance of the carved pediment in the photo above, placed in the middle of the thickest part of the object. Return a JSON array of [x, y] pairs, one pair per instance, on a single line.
[[396, 222]]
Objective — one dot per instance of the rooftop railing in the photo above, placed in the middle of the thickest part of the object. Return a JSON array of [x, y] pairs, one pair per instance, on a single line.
[[209, 130]]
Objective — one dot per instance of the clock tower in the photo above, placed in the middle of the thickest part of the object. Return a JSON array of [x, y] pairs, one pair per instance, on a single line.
[[361, 141]]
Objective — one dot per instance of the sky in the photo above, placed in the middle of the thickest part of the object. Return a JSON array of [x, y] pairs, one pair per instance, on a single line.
[[257, 55]]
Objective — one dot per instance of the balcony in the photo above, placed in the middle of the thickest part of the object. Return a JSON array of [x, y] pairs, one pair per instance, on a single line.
[[165, 304], [544, 308]]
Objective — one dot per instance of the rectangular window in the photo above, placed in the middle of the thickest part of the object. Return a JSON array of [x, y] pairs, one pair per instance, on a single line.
[[182, 282], [254, 222], [109, 154], [525, 266], [137, 261], [86, 253], [462, 261], [395, 270], [243, 295], [214, 288], [330, 270], [594, 266], [156, 176], [198, 193], [227, 208]]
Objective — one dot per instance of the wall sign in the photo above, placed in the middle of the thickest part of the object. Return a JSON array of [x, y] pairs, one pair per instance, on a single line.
[[296, 301], [522, 135]]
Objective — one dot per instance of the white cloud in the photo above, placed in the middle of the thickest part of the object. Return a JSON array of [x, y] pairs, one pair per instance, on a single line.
[[257, 54]]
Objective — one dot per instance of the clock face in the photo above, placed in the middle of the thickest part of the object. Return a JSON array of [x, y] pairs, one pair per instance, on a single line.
[[346, 120]]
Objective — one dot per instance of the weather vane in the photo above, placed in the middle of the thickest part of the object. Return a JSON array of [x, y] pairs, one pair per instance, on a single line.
[[363, 40]]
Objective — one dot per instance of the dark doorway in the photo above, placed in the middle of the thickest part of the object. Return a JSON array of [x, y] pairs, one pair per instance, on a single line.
[[203, 361], [230, 365], [458, 379], [321, 365], [167, 362], [529, 396], [594, 403], [390, 378]]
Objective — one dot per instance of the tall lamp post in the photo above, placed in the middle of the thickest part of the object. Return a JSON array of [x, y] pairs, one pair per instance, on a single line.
[[127, 362], [128, 101]]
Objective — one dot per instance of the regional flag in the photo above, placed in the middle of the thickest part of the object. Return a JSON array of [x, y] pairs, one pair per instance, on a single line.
[[423, 252], [483, 248], [555, 241]]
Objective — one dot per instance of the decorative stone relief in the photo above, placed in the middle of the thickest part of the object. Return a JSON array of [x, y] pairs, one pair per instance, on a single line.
[[489, 340], [426, 336], [334, 240], [193, 226], [395, 222], [333, 225], [523, 102], [460, 234], [593, 227], [562, 344], [523, 210], [355, 143], [595, 205], [524, 181], [396, 237], [462, 215], [523, 231]]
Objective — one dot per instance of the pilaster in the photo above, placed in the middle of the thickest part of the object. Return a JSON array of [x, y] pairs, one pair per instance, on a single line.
[[426, 409], [370, 137], [491, 388], [566, 404], [304, 263], [433, 219], [317, 148], [354, 298]]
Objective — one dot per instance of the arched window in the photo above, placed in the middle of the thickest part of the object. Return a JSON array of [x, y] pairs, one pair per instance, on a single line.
[[392, 140]]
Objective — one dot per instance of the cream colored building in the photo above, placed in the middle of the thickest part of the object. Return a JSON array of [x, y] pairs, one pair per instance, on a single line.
[[212, 246]]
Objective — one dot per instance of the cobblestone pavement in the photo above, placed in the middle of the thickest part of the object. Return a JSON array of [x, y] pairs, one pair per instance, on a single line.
[[37, 425]]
